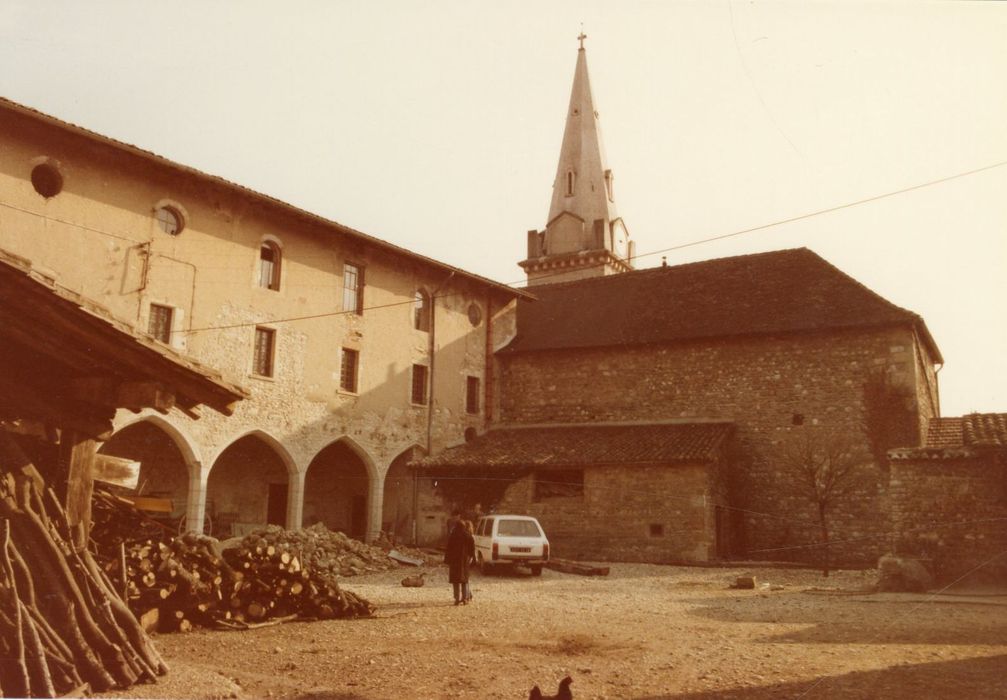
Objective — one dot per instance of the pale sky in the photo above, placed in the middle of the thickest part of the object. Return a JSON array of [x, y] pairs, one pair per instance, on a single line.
[[437, 126]]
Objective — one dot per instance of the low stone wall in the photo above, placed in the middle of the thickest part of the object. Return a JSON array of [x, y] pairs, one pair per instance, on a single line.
[[952, 514]]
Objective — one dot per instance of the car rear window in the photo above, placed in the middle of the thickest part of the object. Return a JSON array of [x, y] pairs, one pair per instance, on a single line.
[[518, 528]]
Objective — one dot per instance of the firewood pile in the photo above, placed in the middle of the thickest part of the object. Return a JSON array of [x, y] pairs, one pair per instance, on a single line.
[[63, 627], [193, 581]]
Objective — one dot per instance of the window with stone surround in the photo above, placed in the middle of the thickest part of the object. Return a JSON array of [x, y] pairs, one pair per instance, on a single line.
[[262, 358], [419, 387], [472, 395], [348, 370], [558, 483], [269, 266], [353, 288]]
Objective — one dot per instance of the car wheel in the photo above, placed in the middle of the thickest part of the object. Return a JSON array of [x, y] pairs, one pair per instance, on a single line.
[[536, 569], [485, 568]]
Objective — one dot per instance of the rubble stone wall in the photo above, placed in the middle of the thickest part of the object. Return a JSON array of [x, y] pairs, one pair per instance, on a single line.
[[772, 388], [952, 514], [618, 518]]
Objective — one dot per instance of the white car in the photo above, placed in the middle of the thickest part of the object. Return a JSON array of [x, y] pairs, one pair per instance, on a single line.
[[510, 540]]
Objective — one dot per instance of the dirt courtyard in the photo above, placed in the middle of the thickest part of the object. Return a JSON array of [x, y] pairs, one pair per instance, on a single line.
[[644, 631]]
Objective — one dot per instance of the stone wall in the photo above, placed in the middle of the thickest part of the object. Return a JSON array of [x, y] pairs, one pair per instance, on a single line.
[[952, 514], [659, 513], [773, 389]]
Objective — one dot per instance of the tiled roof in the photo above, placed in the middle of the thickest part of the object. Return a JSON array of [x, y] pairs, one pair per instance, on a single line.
[[74, 337], [580, 445], [960, 436], [778, 292]]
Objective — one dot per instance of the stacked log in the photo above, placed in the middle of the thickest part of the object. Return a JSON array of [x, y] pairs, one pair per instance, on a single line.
[[192, 581], [63, 627]]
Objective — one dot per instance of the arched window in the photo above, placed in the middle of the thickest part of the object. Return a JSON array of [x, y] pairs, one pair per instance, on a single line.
[[421, 311], [571, 180], [269, 266]]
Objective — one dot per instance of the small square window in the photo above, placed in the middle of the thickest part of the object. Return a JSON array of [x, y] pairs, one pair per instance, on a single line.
[[159, 323], [656, 529], [262, 360], [472, 395], [419, 389], [353, 288], [348, 370]]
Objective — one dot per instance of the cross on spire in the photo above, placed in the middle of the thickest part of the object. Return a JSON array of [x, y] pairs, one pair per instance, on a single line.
[[582, 37]]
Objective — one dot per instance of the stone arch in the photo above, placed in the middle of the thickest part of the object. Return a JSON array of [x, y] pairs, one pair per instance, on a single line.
[[168, 460], [339, 488], [398, 509], [249, 484]]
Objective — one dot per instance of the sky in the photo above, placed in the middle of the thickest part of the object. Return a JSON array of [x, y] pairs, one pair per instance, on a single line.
[[437, 126]]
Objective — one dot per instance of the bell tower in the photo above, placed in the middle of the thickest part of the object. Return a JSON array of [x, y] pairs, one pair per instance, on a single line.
[[584, 235]]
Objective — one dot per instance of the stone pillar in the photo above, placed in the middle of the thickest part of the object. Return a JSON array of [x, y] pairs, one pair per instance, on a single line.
[[375, 503], [295, 498], [195, 502]]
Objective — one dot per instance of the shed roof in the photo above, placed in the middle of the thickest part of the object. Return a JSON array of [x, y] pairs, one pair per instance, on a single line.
[[586, 445], [959, 436], [67, 358], [783, 291]]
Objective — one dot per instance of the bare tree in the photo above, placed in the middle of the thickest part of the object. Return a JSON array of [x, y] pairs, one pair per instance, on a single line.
[[822, 466]]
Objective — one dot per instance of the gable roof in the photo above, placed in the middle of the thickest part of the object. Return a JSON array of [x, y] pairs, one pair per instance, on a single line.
[[266, 200], [66, 357], [783, 291], [586, 445]]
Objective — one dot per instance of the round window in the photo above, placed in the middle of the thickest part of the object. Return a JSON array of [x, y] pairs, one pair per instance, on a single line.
[[475, 314], [169, 220], [46, 180]]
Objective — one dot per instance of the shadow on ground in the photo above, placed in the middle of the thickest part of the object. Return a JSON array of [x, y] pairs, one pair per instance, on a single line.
[[975, 679]]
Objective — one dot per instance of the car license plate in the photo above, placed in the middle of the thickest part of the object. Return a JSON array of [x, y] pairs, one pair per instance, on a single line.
[[520, 549]]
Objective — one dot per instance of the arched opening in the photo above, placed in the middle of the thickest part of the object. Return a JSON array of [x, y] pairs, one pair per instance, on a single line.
[[269, 265], [421, 310], [399, 500], [163, 469], [247, 487], [336, 488]]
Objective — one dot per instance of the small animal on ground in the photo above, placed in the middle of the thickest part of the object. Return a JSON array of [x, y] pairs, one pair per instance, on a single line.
[[414, 581], [563, 693]]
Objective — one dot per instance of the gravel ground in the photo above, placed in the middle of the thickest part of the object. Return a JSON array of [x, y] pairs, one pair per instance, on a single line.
[[644, 631]]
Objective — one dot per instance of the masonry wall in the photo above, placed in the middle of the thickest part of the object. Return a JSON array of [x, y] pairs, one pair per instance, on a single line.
[[773, 388], [952, 514], [653, 513], [99, 237]]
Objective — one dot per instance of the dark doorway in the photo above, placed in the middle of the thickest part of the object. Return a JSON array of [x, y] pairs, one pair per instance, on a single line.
[[276, 505]]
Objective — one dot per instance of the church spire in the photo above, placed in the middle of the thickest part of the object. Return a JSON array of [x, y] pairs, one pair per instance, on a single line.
[[584, 236]]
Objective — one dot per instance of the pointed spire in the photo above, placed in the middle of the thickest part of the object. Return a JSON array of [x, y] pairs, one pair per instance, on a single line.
[[583, 184]]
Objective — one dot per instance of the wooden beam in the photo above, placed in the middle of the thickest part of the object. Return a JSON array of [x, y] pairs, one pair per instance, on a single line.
[[81, 452], [116, 470], [140, 395]]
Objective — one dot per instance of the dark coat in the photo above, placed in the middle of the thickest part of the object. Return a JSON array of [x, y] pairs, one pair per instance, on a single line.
[[461, 550]]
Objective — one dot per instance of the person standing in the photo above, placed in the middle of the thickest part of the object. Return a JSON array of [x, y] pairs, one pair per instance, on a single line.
[[461, 549]]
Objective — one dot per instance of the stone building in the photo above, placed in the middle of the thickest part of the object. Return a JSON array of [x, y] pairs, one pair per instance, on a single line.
[[949, 498], [356, 352], [764, 350]]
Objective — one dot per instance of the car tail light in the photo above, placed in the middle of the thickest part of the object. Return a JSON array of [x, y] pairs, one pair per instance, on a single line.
[[496, 551], [545, 551]]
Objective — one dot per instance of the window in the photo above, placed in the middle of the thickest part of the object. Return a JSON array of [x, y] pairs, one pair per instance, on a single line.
[[559, 483], [46, 180], [570, 182], [269, 266], [159, 323], [353, 288], [421, 311], [475, 314], [348, 370], [169, 220], [610, 185], [472, 394], [262, 361], [656, 529], [419, 395]]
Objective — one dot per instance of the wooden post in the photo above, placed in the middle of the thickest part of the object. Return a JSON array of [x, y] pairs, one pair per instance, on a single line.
[[80, 484]]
